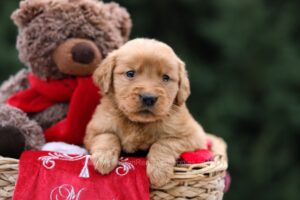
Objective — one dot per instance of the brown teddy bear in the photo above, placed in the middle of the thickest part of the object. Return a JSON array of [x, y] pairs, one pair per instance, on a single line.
[[61, 42]]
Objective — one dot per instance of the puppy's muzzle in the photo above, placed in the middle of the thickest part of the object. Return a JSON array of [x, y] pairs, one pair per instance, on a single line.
[[148, 100]]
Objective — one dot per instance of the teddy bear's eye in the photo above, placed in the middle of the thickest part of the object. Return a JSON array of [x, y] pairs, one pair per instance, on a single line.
[[130, 74], [166, 77]]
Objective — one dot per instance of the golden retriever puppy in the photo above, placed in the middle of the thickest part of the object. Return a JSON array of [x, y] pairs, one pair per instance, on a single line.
[[145, 86]]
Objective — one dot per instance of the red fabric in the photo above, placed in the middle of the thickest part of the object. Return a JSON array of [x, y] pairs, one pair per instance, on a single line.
[[84, 101], [82, 95], [198, 156], [62, 181], [43, 94]]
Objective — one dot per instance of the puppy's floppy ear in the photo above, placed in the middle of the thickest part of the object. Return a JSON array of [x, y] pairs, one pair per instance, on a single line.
[[103, 75], [184, 90]]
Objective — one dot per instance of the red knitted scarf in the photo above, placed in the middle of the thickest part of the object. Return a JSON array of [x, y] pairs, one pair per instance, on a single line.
[[81, 94]]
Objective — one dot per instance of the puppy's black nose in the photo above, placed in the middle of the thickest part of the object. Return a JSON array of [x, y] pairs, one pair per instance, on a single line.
[[148, 100]]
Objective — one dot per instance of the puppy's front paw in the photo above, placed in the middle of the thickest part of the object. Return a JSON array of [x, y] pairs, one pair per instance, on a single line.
[[159, 172], [105, 161]]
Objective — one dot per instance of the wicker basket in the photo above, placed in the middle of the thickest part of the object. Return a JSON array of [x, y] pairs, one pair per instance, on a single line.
[[203, 181]]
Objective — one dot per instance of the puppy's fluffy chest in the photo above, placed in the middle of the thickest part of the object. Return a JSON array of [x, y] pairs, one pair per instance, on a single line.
[[140, 136], [135, 137]]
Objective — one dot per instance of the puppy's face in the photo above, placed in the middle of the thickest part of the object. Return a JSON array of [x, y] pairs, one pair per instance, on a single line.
[[145, 78]]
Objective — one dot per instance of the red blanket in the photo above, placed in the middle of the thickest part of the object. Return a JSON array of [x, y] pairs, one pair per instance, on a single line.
[[81, 94], [55, 176]]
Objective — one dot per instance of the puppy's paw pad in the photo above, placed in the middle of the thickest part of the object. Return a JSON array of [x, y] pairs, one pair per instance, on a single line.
[[159, 174], [105, 161]]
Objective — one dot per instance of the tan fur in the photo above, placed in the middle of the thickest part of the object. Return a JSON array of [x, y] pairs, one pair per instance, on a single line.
[[166, 130]]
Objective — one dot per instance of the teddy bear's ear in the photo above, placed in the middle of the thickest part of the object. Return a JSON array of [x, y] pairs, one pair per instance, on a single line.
[[27, 11], [121, 18]]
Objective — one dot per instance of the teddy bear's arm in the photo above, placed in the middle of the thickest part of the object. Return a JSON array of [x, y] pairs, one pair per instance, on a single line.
[[13, 85], [51, 115]]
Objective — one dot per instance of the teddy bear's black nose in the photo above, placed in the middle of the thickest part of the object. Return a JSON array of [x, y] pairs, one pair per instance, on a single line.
[[83, 53], [148, 100]]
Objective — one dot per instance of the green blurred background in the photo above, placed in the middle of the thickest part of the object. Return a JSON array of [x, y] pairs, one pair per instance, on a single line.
[[243, 58]]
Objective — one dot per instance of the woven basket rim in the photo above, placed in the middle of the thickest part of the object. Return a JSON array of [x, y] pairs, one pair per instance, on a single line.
[[184, 174], [205, 172]]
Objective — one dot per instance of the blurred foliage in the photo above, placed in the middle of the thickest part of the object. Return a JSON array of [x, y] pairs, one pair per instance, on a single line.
[[243, 59]]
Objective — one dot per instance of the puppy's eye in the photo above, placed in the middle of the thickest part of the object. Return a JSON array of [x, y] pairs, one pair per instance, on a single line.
[[166, 78], [130, 74]]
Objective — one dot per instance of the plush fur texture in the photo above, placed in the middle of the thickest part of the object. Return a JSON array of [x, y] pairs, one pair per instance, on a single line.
[[51, 115], [123, 122], [45, 25], [10, 116], [13, 85]]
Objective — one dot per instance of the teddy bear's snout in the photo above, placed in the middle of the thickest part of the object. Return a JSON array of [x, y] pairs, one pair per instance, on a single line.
[[77, 56], [83, 53]]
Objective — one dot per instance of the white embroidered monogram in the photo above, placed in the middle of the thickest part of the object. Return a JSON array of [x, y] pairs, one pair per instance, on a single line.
[[125, 167], [65, 192]]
